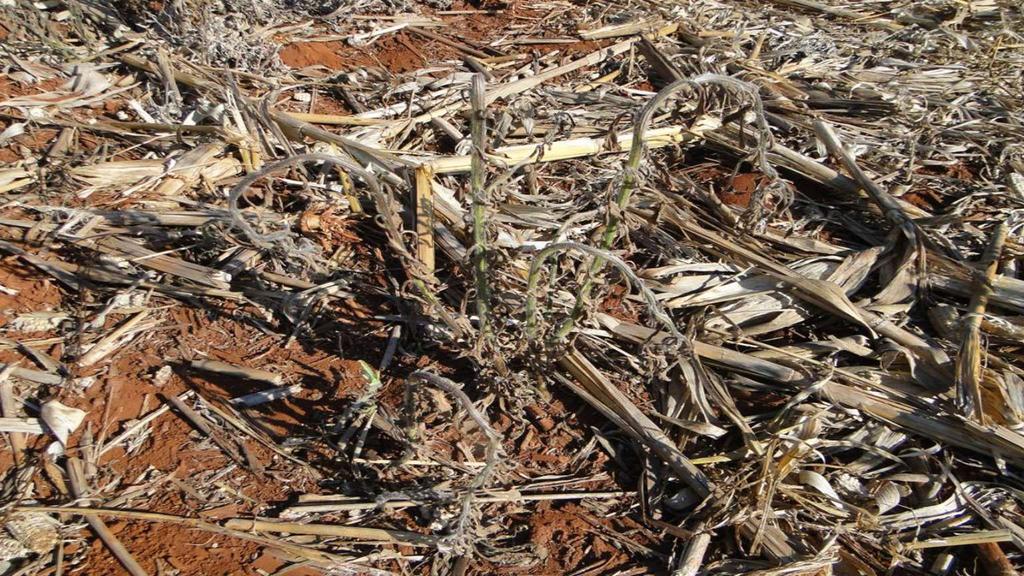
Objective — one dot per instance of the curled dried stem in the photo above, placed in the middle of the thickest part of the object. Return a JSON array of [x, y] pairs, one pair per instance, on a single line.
[[387, 217], [631, 173], [268, 240], [533, 280], [492, 452]]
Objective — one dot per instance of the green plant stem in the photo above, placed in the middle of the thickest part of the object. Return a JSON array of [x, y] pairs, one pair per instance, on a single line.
[[478, 177], [630, 177], [533, 279]]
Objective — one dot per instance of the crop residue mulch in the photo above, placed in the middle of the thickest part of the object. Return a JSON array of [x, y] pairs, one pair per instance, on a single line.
[[403, 287]]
